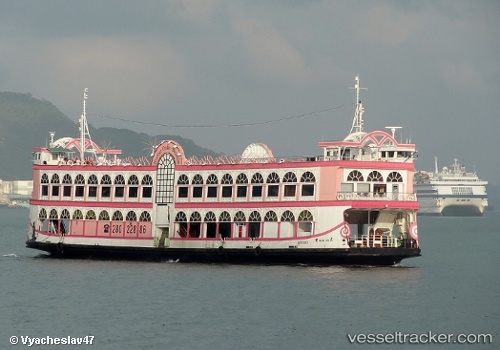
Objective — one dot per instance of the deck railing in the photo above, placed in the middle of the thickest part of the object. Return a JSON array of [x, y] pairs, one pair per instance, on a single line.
[[376, 196], [381, 241]]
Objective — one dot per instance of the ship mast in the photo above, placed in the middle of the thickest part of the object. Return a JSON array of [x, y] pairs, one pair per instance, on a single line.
[[84, 128], [357, 122]]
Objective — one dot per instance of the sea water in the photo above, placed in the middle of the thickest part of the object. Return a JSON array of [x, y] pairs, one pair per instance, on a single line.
[[426, 302]]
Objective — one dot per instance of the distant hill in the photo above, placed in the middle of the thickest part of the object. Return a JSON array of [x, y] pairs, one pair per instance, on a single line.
[[25, 122]]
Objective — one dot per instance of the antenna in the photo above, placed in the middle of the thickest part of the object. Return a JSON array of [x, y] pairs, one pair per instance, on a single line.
[[393, 129], [357, 122], [84, 128]]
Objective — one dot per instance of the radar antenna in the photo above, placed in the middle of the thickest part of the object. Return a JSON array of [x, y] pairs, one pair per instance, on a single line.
[[357, 122]]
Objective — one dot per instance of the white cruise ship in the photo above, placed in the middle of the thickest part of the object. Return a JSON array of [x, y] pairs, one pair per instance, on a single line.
[[450, 192]]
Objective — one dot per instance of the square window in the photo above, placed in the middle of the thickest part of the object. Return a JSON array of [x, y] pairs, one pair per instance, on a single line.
[[227, 191], [272, 190], [241, 191], [197, 192], [290, 190], [212, 192], [307, 190], [256, 191]]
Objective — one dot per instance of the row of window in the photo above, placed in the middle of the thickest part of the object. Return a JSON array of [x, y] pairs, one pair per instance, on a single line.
[[212, 179], [227, 179], [374, 176], [256, 191], [462, 190], [92, 215], [93, 180], [79, 191], [239, 216]]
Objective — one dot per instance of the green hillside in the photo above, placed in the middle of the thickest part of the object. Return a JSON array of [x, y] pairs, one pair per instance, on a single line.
[[25, 122]]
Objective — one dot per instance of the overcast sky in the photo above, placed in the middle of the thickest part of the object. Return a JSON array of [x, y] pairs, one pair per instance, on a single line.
[[432, 67]]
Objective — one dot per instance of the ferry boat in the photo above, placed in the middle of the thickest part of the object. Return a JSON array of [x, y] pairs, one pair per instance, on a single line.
[[450, 192], [352, 204]]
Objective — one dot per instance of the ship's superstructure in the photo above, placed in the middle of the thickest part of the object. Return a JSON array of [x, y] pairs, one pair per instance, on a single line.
[[352, 204]]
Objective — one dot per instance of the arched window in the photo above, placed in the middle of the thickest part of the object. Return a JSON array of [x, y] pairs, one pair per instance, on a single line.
[[67, 179], [117, 216], [90, 215], [287, 216], [133, 185], [241, 188], [183, 180], [131, 216], [225, 216], [147, 186], [305, 215], [254, 216], [145, 216], [105, 186], [80, 180], [103, 215], [194, 224], [210, 217], [106, 180], [77, 215], [93, 180], [53, 214], [182, 190], [227, 188], [180, 217], [355, 175], [242, 179], [119, 180], [290, 177], [147, 180], [254, 226], [394, 177], [273, 178], [290, 187], [305, 222], [181, 220], [66, 215], [257, 178], [212, 179], [44, 179], [195, 217], [227, 179], [133, 180], [42, 215], [271, 216], [197, 180], [54, 179], [308, 177], [55, 185], [239, 217], [119, 186], [375, 176]]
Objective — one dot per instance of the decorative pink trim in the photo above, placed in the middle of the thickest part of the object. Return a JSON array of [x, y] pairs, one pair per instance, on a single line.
[[414, 231]]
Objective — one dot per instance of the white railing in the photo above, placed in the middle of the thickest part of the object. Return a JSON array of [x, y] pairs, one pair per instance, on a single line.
[[376, 196], [374, 241]]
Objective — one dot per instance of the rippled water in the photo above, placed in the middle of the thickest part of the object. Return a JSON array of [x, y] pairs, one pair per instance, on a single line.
[[453, 288]]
